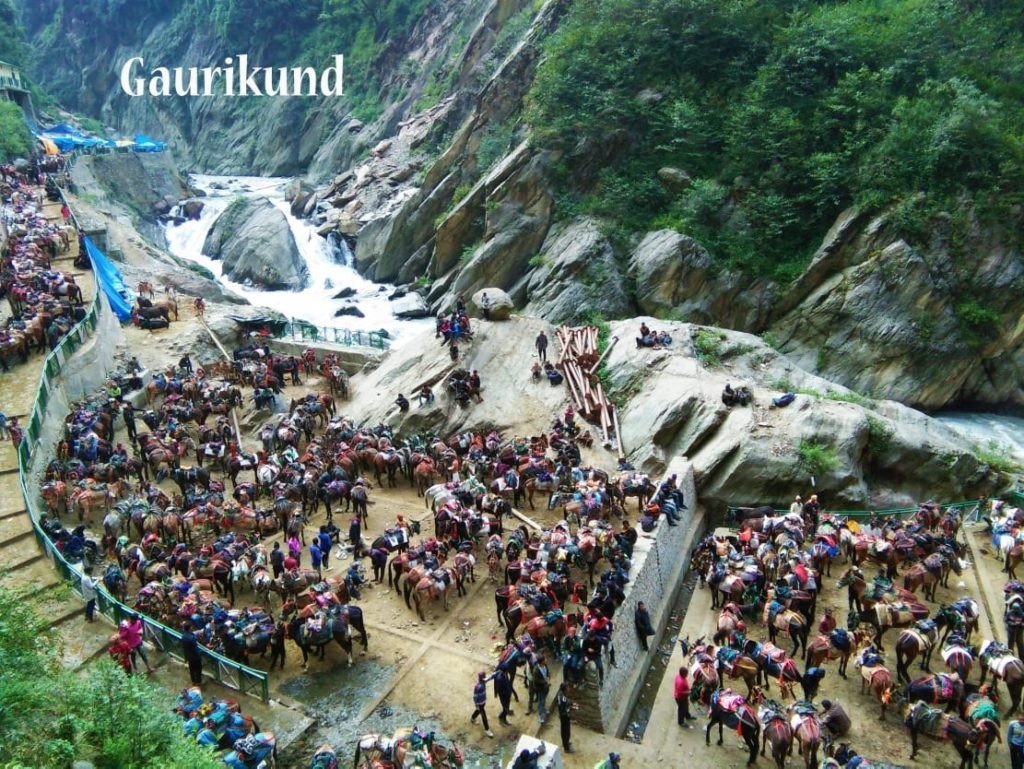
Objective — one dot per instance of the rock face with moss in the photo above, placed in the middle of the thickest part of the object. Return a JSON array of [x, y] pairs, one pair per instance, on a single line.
[[256, 243]]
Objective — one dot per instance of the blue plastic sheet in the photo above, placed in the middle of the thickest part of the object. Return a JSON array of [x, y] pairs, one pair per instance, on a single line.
[[110, 280]]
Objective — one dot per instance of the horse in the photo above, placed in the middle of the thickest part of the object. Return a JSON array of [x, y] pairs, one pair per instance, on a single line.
[[883, 616], [806, 734], [733, 711], [1004, 665], [317, 639], [931, 572], [876, 677], [776, 729], [931, 722], [429, 589], [936, 689], [837, 645], [981, 713], [790, 622], [918, 640]]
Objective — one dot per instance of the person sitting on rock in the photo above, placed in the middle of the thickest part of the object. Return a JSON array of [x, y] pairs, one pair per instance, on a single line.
[[729, 395], [536, 371], [474, 385], [554, 376], [402, 402], [425, 395]]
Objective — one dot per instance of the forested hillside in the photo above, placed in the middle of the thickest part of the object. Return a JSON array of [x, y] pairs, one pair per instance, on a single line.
[[782, 114]]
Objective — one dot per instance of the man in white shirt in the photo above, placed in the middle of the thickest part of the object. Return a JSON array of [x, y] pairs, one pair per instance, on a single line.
[[89, 584], [797, 507]]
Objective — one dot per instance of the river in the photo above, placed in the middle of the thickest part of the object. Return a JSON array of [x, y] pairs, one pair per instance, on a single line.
[[983, 428], [328, 265]]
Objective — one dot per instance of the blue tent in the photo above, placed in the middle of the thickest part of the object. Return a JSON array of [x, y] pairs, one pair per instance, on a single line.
[[145, 144], [109, 278]]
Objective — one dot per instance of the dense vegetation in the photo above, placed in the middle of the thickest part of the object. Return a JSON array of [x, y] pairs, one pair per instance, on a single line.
[[15, 139], [782, 114], [50, 716]]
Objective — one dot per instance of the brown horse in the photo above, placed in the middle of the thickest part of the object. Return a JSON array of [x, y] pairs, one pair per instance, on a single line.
[[823, 649], [84, 501], [428, 590], [941, 689], [776, 729], [980, 712], [919, 640], [1004, 665], [867, 549], [424, 475], [878, 679], [807, 735], [931, 572], [931, 722], [790, 622], [883, 616], [731, 710]]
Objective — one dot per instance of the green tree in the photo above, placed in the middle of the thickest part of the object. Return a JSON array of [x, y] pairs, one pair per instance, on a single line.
[[15, 138]]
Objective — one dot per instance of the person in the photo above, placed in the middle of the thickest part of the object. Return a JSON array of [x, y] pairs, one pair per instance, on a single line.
[[114, 390], [480, 702], [185, 364], [642, 620], [485, 305], [453, 351], [834, 718], [460, 303], [828, 622], [89, 584], [542, 346], [295, 549], [325, 547], [612, 762], [316, 556], [190, 651], [565, 707], [554, 376], [355, 535], [811, 510], [540, 685], [425, 395], [122, 654], [453, 468], [1015, 739], [200, 306], [474, 385], [277, 645], [402, 402], [277, 560], [536, 371], [797, 507], [4, 430], [527, 759], [128, 413], [131, 632], [503, 691], [681, 694]]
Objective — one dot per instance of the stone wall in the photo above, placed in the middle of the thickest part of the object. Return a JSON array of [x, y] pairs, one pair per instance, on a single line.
[[660, 561]]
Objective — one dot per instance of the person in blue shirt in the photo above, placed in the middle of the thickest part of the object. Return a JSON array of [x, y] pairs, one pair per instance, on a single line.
[[325, 547], [316, 555], [1015, 739]]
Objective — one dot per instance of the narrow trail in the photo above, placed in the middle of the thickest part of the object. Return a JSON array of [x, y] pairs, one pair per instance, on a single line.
[[227, 357]]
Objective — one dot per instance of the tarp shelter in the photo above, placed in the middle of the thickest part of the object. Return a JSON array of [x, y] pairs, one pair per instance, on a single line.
[[145, 144], [48, 146], [110, 280]]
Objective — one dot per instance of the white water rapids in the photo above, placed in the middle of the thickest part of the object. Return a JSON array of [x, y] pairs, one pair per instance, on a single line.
[[328, 266]]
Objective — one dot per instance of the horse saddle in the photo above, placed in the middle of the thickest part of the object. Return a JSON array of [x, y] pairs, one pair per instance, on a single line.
[[773, 653], [879, 547], [441, 578], [727, 700], [840, 639], [927, 719]]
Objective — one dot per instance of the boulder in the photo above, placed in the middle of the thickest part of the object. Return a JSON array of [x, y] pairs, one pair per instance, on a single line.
[[398, 293], [301, 193], [345, 293], [412, 305], [255, 242], [192, 209], [350, 310], [674, 179], [500, 303]]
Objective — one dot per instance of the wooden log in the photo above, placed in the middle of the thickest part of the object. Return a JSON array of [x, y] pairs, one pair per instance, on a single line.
[[593, 369], [618, 432]]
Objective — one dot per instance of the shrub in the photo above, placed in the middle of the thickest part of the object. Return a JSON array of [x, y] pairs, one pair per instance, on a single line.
[[816, 458], [879, 437], [707, 345], [997, 456]]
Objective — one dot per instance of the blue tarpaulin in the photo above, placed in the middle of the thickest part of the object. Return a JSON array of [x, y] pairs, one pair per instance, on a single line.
[[145, 144], [109, 278]]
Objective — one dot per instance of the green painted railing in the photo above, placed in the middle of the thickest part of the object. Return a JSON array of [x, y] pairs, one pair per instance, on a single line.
[[234, 674], [301, 330]]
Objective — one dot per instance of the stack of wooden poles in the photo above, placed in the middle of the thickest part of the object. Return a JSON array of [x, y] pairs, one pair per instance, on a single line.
[[579, 361]]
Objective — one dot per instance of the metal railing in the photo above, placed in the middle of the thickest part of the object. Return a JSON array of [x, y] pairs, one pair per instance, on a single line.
[[891, 511], [233, 674], [301, 330]]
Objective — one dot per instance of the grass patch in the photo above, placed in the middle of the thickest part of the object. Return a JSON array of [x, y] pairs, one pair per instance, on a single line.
[[816, 458], [772, 340], [879, 436], [199, 270], [707, 345], [539, 260], [997, 456], [424, 281], [850, 397], [468, 251]]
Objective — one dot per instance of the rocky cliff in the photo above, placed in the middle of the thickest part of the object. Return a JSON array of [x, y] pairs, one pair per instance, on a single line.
[[256, 243], [861, 452]]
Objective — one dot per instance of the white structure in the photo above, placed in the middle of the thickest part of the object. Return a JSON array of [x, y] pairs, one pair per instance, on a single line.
[[552, 758]]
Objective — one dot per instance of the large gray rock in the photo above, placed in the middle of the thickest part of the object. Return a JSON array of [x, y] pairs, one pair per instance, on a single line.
[[574, 272], [674, 275], [499, 304], [255, 242], [411, 305], [884, 453]]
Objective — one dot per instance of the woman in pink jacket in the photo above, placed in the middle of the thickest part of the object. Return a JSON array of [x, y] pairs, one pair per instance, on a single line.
[[130, 632]]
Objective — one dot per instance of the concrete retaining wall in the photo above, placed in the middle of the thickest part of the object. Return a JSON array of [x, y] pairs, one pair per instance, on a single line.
[[660, 561]]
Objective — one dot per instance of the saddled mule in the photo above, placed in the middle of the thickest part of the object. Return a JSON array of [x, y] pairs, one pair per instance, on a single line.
[[917, 641], [806, 734], [732, 710], [1005, 666], [837, 645], [429, 589], [883, 616], [939, 689], [932, 722], [790, 622], [876, 677], [332, 629], [981, 713], [775, 729]]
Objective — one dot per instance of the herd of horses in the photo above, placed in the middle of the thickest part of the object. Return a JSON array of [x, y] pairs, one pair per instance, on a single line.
[[772, 570], [45, 303]]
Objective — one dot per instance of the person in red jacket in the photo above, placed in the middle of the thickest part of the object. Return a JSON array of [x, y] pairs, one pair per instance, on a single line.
[[681, 693]]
